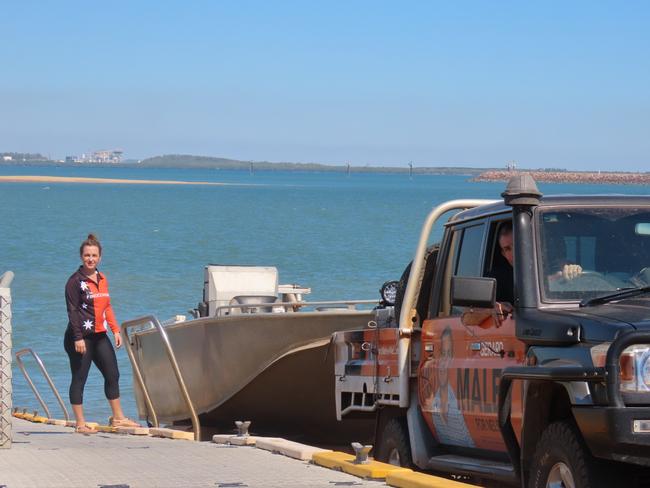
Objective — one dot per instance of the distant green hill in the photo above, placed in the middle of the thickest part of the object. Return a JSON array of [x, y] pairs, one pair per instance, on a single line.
[[190, 161]]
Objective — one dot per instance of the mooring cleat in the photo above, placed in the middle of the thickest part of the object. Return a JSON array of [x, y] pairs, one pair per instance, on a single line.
[[361, 452], [242, 427]]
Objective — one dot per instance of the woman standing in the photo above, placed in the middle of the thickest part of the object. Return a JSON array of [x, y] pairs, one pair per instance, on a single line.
[[86, 340]]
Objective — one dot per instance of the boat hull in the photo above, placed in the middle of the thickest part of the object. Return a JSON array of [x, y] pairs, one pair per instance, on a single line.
[[273, 369]]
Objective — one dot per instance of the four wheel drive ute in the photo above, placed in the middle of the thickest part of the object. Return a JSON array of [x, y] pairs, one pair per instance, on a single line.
[[556, 391]]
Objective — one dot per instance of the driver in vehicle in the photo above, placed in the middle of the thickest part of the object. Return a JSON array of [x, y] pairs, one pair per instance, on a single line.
[[568, 272], [503, 273]]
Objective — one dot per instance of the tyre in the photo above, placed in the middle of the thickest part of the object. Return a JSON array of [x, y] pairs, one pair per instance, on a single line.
[[561, 460], [422, 304], [394, 447]]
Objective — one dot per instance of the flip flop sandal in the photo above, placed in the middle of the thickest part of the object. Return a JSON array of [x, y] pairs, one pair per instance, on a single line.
[[125, 422], [85, 430]]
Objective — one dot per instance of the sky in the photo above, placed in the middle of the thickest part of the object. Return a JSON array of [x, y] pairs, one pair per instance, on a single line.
[[551, 84]]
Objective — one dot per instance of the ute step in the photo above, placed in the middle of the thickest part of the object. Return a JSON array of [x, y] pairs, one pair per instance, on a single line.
[[488, 468]]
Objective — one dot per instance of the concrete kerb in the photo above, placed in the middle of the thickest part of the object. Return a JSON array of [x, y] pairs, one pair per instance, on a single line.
[[132, 430], [171, 433], [291, 449], [347, 463], [412, 479], [392, 475], [276, 445], [341, 461], [59, 422], [235, 439]]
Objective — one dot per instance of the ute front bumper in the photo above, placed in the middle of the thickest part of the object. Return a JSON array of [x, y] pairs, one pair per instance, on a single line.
[[617, 431], [609, 432]]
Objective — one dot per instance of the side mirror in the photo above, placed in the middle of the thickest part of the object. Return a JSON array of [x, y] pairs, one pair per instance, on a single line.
[[473, 292]]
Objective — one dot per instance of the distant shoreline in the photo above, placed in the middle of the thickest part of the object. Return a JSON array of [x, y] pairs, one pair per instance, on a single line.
[[118, 181], [265, 166], [598, 177], [545, 176]]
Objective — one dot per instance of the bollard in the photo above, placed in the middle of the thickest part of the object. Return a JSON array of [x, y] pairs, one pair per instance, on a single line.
[[5, 360], [242, 427], [361, 452]]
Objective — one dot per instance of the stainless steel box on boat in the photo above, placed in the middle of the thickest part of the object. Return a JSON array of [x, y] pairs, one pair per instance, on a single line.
[[224, 282]]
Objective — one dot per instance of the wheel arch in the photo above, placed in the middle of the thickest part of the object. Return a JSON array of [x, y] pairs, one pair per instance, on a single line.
[[423, 445], [545, 402]]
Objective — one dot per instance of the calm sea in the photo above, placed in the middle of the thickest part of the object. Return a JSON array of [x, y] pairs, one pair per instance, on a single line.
[[343, 236]]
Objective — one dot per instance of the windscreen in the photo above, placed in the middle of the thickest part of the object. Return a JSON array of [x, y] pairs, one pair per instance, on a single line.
[[587, 252]]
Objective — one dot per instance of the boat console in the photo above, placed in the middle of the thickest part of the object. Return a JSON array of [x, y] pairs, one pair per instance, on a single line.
[[234, 290]]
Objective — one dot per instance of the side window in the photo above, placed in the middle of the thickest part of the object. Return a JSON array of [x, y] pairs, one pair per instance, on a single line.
[[464, 259], [494, 257], [444, 302], [471, 247]]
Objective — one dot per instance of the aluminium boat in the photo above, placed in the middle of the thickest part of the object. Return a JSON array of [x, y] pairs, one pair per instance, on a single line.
[[252, 350]]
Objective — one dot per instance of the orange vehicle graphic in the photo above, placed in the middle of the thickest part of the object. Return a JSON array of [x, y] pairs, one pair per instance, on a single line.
[[458, 381]]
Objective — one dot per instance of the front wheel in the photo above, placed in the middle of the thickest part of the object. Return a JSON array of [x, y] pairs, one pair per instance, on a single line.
[[394, 447], [561, 460]]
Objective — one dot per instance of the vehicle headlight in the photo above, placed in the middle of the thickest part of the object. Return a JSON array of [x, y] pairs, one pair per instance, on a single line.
[[634, 366], [389, 292]]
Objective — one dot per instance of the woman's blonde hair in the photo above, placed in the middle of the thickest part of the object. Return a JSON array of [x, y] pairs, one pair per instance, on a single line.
[[91, 240]]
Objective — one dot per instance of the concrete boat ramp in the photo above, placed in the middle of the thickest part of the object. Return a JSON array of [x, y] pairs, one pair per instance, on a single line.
[[52, 456]]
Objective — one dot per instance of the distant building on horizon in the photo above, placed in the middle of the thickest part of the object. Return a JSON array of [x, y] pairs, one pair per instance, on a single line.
[[102, 157], [22, 157]]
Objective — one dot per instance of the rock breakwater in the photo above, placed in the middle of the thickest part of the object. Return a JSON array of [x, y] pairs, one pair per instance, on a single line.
[[618, 178]]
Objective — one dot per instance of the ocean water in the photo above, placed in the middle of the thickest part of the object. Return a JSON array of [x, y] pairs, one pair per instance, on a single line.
[[341, 235]]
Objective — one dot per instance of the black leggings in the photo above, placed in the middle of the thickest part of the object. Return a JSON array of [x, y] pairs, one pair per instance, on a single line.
[[99, 350]]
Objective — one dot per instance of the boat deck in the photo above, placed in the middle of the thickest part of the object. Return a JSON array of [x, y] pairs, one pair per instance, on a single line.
[[51, 456]]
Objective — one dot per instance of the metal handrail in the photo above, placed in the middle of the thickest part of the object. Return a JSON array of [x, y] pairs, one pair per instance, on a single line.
[[172, 359], [134, 365], [351, 304], [40, 364]]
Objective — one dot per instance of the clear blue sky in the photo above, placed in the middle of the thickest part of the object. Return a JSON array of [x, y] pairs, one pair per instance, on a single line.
[[547, 84]]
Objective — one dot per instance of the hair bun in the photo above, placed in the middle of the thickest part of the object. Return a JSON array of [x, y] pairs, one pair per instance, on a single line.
[[91, 240]]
